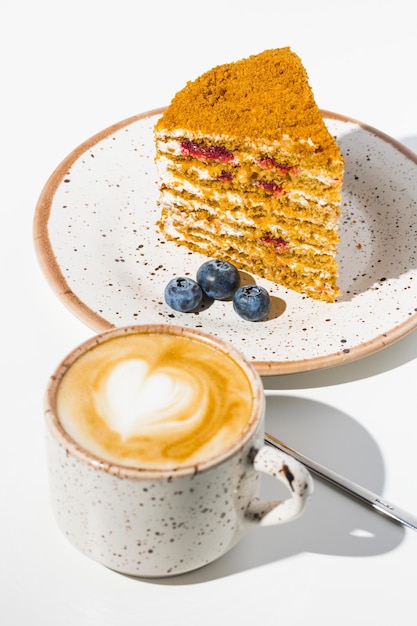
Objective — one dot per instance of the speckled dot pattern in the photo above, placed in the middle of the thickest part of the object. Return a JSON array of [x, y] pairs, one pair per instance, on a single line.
[[97, 241], [167, 525]]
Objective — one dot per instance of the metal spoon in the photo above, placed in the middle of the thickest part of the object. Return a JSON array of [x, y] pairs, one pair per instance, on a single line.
[[364, 495]]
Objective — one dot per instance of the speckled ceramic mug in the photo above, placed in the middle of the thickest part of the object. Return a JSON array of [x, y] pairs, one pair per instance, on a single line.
[[167, 519]]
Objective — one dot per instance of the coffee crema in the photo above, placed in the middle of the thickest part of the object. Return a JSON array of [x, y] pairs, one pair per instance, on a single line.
[[155, 400]]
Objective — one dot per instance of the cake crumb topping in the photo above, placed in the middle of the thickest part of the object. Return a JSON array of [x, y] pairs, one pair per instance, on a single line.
[[264, 97]]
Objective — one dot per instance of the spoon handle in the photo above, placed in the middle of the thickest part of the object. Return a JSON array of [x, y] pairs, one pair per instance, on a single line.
[[364, 495]]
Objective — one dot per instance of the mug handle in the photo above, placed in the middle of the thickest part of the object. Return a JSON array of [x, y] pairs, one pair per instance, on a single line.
[[293, 475]]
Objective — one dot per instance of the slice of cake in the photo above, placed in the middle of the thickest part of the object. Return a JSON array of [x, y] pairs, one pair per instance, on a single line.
[[249, 173]]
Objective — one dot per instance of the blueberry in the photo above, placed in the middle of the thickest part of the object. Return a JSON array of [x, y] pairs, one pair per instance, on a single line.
[[218, 279], [252, 302], [183, 294]]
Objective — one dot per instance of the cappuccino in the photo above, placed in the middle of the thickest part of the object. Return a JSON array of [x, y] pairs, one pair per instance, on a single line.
[[155, 447], [155, 398]]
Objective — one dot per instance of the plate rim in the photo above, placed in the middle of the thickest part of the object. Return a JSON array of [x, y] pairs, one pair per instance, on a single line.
[[97, 323]]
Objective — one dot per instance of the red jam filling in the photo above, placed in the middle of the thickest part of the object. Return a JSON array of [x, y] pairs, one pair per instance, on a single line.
[[209, 153], [269, 185], [270, 163], [225, 175], [278, 243]]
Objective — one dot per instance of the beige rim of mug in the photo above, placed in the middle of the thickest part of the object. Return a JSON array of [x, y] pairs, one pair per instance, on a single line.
[[75, 450]]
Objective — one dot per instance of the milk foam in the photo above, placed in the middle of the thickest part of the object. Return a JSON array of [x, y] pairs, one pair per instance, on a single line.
[[136, 401]]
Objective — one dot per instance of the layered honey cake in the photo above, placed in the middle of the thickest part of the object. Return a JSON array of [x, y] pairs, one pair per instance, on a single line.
[[249, 173]]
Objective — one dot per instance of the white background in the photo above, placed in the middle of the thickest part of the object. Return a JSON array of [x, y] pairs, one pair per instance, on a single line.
[[70, 69]]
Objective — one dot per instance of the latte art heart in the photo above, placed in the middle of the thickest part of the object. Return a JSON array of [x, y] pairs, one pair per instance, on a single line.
[[134, 400]]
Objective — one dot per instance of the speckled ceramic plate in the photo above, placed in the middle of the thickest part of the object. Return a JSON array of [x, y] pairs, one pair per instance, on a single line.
[[97, 244]]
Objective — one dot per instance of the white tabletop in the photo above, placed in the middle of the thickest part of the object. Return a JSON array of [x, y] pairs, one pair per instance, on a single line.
[[70, 70]]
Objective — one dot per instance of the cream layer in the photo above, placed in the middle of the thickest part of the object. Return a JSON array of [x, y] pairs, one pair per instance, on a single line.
[[299, 197], [206, 244], [177, 221], [284, 145], [294, 232], [171, 198], [314, 171]]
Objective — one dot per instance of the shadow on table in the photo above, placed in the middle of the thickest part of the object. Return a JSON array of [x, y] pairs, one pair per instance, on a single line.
[[334, 523]]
